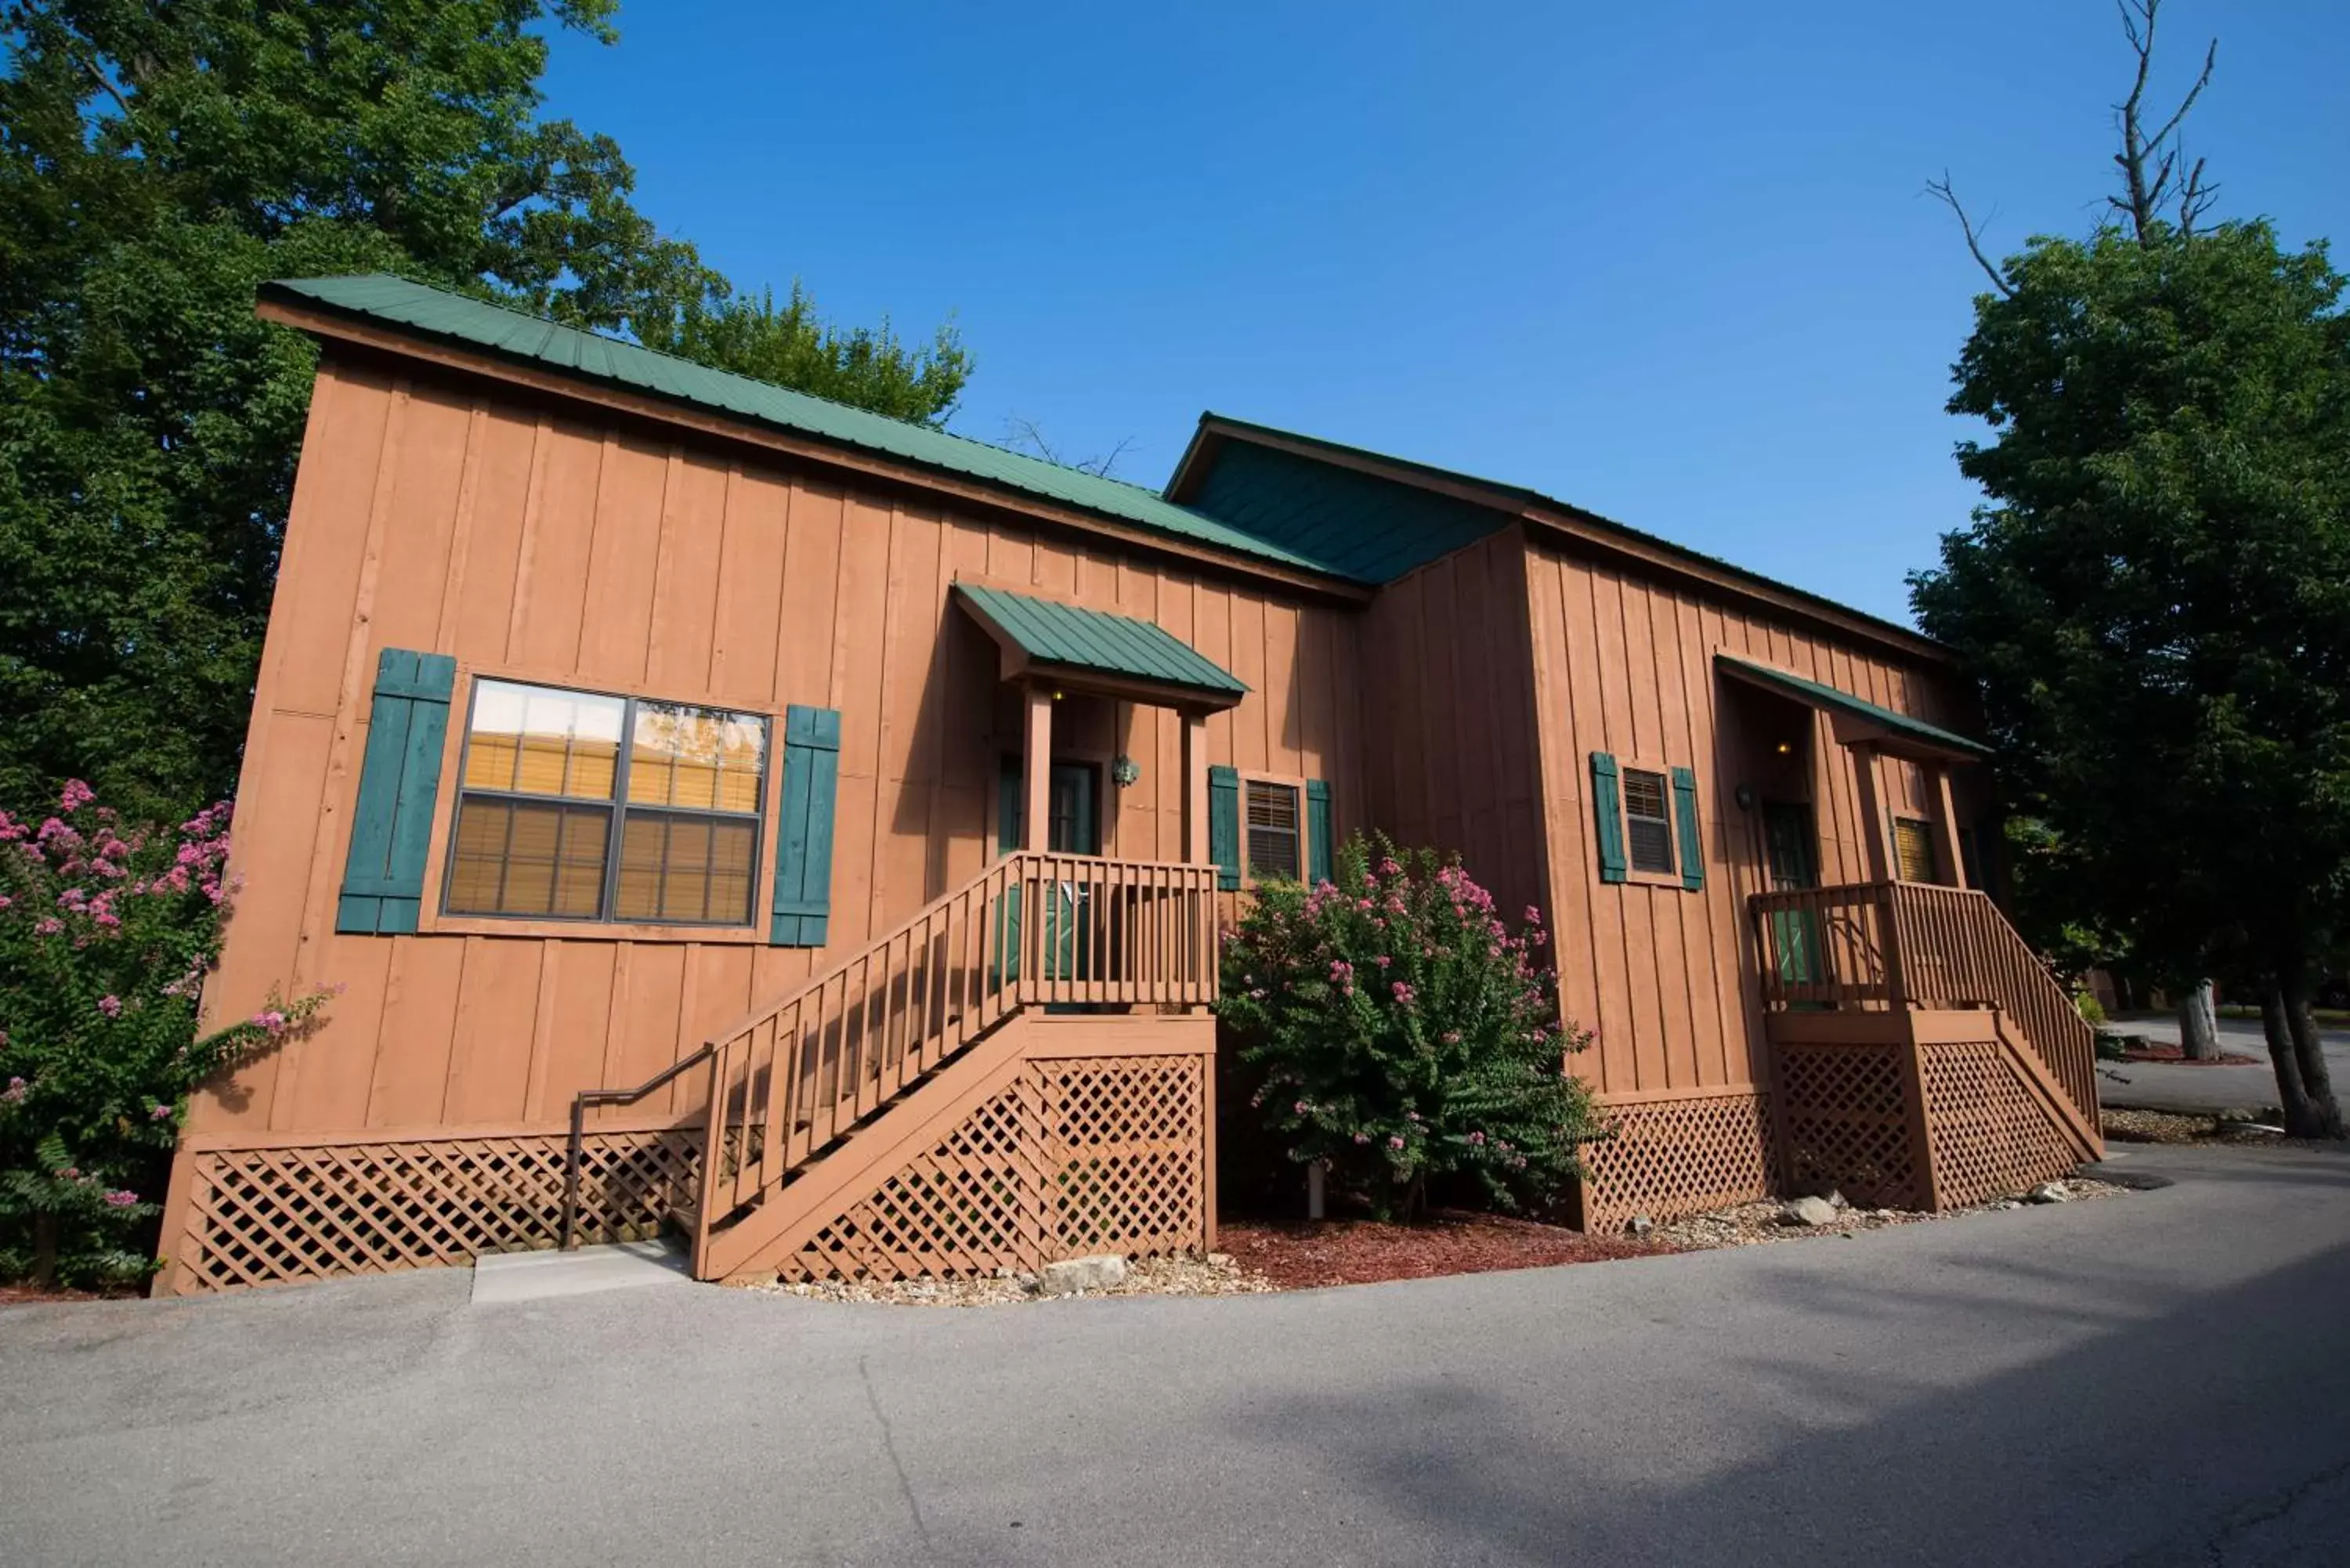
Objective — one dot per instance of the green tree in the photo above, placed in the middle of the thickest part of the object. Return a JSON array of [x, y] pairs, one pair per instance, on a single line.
[[2156, 598], [156, 164]]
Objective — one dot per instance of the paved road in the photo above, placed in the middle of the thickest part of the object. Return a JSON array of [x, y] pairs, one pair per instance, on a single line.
[[2178, 1087], [2155, 1379]]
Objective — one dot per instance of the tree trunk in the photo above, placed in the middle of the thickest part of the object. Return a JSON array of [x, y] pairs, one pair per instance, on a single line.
[[2323, 1113], [2285, 1056], [45, 1249], [2198, 1025]]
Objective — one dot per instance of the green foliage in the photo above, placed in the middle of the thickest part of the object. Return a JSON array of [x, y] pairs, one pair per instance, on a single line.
[[2156, 597], [1404, 1033], [107, 930], [156, 164]]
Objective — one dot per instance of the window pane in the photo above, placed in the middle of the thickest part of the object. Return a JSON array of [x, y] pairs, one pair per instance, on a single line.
[[1913, 849], [1647, 828], [705, 758], [534, 740], [516, 857], [691, 868], [1272, 829]]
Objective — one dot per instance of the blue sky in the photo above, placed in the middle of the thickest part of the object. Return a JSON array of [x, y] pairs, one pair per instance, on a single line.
[[1666, 261]]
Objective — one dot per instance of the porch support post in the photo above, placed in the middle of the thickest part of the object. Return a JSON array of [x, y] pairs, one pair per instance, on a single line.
[[1946, 826], [1037, 767], [1874, 827], [1195, 789]]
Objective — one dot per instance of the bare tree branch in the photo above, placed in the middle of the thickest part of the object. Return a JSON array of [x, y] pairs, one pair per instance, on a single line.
[[1940, 191], [2143, 196], [1023, 434], [2194, 199]]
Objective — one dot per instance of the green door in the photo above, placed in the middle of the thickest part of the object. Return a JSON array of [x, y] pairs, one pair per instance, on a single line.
[[1792, 849], [1072, 826]]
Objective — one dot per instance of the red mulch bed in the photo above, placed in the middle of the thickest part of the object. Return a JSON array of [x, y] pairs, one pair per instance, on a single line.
[[2177, 1054], [33, 1295], [1301, 1254]]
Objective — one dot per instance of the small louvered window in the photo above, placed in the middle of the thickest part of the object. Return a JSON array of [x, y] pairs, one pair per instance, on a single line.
[[1913, 849], [1272, 835], [1649, 820]]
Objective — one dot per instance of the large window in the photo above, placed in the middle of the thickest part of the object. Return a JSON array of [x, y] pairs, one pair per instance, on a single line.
[[548, 789], [1649, 820], [1273, 833]]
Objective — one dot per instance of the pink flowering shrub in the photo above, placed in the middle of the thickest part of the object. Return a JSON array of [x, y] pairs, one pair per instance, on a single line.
[[1405, 1032], [106, 931]]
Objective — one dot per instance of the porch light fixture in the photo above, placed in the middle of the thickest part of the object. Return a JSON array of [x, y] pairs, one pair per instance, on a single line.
[[1784, 748], [1125, 771]]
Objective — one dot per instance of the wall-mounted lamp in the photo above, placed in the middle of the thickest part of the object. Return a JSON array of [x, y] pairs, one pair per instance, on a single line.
[[1125, 771], [1784, 748], [1744, 796]]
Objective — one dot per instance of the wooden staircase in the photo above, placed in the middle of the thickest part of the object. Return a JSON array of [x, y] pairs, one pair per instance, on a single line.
[[819, 1095], [1897, 946]]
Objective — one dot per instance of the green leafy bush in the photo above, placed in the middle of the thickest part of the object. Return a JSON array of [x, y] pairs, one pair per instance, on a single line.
[[1404, 1033], [106, 931]]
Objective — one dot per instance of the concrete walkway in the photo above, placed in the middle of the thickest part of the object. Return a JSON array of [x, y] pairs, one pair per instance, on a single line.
[[2153, 1379], [2208, 1089]]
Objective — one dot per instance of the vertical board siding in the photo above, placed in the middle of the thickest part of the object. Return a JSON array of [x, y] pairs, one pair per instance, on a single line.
[[449, 519], [1624, 665]]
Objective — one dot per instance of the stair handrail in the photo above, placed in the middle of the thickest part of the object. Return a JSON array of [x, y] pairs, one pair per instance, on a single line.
[[579, 1103], [919, 1023]]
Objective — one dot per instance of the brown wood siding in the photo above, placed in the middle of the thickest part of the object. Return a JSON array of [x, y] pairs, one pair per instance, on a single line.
[[446, 516], [1449, 715], [1624, 664]]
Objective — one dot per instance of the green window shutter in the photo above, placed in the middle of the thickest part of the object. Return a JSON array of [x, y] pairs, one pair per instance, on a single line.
[[1317, 831], [1607, 813], [1685, 820], [804, 836], [1224, 824], [399, 775]]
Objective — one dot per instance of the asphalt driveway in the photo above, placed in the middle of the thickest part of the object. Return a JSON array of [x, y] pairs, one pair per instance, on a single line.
[[2155, 1379], [2208, 1087]]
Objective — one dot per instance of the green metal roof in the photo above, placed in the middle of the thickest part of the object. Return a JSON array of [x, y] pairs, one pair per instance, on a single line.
[[1369, 527], [1067, 636], [417, 310], [1333, 514], [1819, 696]]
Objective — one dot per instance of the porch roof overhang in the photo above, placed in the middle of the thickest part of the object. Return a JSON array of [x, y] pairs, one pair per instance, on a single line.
[[1094, 650], [1859, 722]]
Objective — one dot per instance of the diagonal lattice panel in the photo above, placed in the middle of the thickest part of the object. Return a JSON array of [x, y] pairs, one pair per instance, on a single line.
[[1989, 1135], [262, 1216], [1666, 1158], [1848, 1125]]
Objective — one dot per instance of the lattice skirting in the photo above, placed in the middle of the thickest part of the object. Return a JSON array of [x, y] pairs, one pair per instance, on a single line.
[[1096, 1154], [1671, 1158], [264, 1216], [1989, 1135], [1849, 1125]]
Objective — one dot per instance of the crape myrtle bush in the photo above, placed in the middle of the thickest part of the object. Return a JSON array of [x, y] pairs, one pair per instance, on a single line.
[[1404, 1033], [106, 931]]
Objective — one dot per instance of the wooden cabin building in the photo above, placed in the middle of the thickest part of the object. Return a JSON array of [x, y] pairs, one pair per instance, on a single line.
[[719, 808]]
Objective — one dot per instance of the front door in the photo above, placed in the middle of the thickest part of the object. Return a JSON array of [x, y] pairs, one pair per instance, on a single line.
[[1072, 826], [1790, 850]]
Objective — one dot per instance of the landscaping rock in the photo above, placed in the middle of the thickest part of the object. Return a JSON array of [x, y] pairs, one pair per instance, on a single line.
[[1641, 1225], [2048, 1192], [1073, 1274], [1837, 1200], [1808, 1211]]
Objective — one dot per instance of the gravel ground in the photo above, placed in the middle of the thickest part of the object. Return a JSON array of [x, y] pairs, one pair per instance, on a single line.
[[2187, 1127], [1751, 1224], [1217, 1274]]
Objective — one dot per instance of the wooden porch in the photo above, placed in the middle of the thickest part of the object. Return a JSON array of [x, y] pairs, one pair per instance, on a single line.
[[1923, 1055]]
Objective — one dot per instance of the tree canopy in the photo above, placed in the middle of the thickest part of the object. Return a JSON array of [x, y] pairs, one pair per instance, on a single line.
[[2156, 596], [157, 164]]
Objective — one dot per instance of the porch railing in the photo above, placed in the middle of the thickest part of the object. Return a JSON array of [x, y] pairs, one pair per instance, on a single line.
[[1890, 945], [1034, 929]]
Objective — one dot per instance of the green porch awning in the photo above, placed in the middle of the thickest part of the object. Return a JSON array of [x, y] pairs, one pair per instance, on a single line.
[[1859, 719], [1096, 649]]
